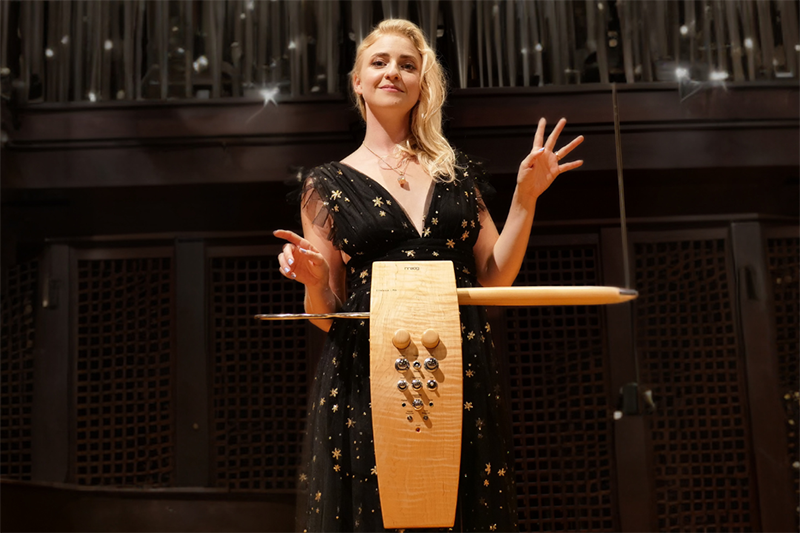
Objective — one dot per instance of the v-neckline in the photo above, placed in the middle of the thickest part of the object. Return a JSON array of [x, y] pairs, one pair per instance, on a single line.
[[428, 199]]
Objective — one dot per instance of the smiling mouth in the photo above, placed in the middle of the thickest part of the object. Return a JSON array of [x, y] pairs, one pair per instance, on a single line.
[[390, 88]]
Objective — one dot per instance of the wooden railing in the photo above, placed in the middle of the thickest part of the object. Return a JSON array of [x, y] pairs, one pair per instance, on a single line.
[[105, 50]]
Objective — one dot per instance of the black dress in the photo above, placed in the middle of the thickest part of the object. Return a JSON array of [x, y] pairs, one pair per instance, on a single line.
[[338, 488]]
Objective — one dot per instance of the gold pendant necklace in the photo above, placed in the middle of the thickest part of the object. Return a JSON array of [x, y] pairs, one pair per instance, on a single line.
[[401, 174]]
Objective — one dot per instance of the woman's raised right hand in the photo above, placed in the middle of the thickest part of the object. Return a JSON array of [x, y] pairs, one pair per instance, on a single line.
[[301, 261]]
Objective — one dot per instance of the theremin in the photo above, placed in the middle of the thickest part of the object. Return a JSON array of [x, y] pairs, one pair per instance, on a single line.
[[416, 378]]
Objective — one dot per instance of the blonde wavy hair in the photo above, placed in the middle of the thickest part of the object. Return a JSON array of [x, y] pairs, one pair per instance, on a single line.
[[426, 143]]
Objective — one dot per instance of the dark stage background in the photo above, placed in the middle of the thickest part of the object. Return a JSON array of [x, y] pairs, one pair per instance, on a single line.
[[137, 392]]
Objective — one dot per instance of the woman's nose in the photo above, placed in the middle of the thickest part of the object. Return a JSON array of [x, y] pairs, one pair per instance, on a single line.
[[392, 71]]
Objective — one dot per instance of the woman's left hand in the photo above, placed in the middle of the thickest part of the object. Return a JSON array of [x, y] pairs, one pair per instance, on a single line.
[[541, 167]]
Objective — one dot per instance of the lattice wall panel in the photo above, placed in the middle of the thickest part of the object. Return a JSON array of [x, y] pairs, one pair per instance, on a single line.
[[125, 431], [16, 371], [562, 414], [260, 377], [784, 267], [689, 357]]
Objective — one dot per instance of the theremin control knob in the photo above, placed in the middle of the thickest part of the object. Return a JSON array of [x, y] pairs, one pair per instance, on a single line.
[[418, 404], [401, 339], [431, 363], [432, 384], [416, 384], [401, 364], [402, 384], [430, 339]]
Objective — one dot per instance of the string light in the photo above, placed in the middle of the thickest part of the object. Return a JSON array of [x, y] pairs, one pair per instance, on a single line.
[[269, 94], [200, 64]]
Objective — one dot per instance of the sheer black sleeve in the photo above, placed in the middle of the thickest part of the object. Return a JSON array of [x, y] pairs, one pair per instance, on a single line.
[[475, 169], [310, 194]]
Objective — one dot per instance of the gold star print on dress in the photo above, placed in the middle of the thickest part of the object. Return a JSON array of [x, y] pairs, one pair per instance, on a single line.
[[362, 219]]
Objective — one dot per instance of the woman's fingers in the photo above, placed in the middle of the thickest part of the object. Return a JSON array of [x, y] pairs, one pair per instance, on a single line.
[[288, 253], [564, 151], [538, 138], [315, 257], [300, 261], [553, 137], [287, 235], [293, 238], [285, 268], [550, 144], [531, 158], [569, 166]]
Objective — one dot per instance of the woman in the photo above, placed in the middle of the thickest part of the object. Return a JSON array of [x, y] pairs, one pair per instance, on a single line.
[[405, 194]]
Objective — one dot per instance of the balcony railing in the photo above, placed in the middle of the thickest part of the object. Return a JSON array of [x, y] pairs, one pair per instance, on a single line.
[[118, 50]]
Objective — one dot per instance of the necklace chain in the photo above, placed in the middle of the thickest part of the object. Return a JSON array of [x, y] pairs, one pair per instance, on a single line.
[[401, 174]]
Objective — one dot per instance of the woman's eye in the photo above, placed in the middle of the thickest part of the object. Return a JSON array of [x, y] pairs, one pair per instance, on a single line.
[[409, 66], [378, 63]]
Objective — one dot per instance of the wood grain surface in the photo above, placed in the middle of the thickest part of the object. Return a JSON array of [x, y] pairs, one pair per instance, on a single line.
[[418, 459], [554, 295]]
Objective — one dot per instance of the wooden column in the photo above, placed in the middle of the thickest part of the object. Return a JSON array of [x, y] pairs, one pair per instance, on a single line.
[[192, 452], [53, 369], [635, 490], [757, 311]]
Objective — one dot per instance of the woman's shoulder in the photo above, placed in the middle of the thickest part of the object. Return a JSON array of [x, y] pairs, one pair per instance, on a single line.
[[319, 175], [471, 171], [335, 168], [469, 166], [323, 169], [465, 159], [328, 177]]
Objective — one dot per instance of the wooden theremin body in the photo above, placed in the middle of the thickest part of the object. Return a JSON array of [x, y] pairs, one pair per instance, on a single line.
[[416, 402]]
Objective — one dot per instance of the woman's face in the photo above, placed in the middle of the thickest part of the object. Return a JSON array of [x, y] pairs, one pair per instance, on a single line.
[[390, 74]]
